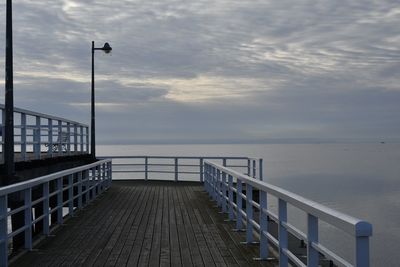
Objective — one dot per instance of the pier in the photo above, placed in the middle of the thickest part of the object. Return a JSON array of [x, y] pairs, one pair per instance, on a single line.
[[166, 211]]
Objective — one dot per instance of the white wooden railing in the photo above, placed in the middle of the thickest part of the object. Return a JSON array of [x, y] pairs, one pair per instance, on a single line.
[[219, 183], [73, 188], [178, 168], [38, 135]]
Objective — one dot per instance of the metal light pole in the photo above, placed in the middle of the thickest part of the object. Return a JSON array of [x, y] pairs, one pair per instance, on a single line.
[[8, 152], [107, 49]]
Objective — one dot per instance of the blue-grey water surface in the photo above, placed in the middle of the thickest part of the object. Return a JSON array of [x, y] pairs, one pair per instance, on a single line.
[[362, 180]]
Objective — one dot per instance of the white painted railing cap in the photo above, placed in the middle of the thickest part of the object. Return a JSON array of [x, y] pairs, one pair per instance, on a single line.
[[363, 228]]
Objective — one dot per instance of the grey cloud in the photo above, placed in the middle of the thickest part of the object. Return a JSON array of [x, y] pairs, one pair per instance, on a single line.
[[319, 69]]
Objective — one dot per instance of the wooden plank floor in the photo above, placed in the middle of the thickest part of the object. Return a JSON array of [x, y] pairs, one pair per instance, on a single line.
[[146, 224]]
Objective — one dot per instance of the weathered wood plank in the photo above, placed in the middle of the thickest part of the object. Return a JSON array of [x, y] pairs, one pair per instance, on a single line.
[[146, 224]]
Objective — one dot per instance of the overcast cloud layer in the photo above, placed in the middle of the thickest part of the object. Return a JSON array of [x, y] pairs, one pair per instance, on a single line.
[[212, 71]]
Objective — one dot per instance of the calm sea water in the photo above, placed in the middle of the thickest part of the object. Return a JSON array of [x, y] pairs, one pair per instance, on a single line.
[[362, 180]]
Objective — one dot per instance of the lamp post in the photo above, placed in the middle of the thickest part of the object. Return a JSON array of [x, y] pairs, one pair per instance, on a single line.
[[107, 49], [9, 100]]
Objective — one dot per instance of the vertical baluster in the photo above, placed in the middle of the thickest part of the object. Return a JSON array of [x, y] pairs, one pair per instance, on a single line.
[[312, 236], [37, 137], [224, 191], [263, 226], [79, 190], [249, 213], [146, 168], [98, 179], [230, 193], [362, 251], [46, 205], [59, 138], [248, 166], [214, 174], [86, 181], [254, 168], [68, 138], [219, 188], [50, 137], [71, 194], [104, 177], [283, 235], [176, 169], [93, 183], [260, 169], [110, 173], [239, 187], [60, 200], [201, 170], [75, 138], [23, 136], [3, 230], [28, 218], [205, 178], [87, 139], [81, 137]]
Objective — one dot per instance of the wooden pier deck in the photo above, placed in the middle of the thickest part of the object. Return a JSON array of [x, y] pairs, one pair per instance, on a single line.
[[141, 223]]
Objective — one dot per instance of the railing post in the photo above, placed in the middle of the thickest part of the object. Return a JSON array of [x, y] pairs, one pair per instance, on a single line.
[[224, 191], [110, 173], [254, 169], [37, 137], [28, 218], [46, 205], [249, 213], [239, 222], [312, 236], [87, 139], [215, 184], [207, 178], [362, 251], [248, 166], [93, 182], [79, 190], [50, 137], [104, 180], [3, 231], [263, 226], [219, 188], [230, 196], [60, 200], [71, 194], [59, 138], [146, 168], [81, 137], [224, 162], [260, 169], [69, 138], [75, 138], [176, 169], [201, 170], [23, 136], [87, 193], [283, 235]]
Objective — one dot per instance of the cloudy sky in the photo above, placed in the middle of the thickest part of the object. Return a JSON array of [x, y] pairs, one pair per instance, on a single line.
[[212, 71]]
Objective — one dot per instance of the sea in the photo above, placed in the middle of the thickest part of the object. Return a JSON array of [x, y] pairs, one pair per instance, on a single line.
[[361, 180]]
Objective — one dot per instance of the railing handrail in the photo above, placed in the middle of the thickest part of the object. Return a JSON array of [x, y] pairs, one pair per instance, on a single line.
[[46, 116], [341, 220], [46, 178], [179, 157]]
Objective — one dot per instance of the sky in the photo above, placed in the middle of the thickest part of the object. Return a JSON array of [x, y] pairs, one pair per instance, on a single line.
[[212, 71]]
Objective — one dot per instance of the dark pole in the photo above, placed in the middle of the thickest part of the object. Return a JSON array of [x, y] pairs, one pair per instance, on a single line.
[[92, 130], [9, 100]]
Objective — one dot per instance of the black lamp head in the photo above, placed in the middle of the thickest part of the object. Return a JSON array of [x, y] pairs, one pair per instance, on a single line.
[[107, 48]]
